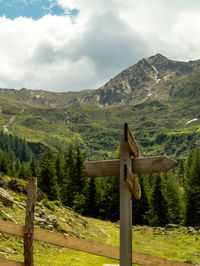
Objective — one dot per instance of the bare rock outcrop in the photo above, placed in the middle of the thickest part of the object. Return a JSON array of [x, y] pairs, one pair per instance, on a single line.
[[5, 198]]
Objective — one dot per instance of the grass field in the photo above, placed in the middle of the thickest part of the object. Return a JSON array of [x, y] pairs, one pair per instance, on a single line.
[[172, 242]]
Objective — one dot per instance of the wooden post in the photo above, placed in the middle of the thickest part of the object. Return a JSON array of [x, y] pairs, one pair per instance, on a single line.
[[128, 164], [125, 209], [29, 221]]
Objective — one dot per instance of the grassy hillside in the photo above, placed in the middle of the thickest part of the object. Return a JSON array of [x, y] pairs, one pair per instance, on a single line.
[[179, 243], [157, 97], [160, 127]]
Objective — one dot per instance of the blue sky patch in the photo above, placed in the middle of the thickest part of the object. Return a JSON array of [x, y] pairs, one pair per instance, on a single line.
[[31, 8]]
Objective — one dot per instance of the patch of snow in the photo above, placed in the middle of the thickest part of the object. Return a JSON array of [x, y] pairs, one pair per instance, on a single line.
[[155, 69], [67, 117], [156, 75], [195, 119]]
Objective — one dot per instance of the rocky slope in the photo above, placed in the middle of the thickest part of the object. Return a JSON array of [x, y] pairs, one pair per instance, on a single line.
[[148, 79], [158, 97], [52, 216]]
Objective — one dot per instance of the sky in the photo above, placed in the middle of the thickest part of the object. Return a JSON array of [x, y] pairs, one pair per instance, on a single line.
[[71, 45]]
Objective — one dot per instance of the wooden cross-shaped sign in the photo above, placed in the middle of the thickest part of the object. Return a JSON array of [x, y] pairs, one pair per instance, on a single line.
[[129, 164]]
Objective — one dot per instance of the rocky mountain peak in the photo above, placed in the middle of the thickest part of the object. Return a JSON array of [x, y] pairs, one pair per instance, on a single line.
[[158, 58], [149, 79]]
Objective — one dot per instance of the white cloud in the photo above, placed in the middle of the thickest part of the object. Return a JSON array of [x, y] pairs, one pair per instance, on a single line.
[[83, 52]]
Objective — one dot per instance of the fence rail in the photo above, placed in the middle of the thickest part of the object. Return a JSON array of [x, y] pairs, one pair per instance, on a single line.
[[82, 245], [29, 233], [8, 262]]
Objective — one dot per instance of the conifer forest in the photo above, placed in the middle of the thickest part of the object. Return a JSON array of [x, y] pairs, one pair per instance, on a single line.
[[172, 197]]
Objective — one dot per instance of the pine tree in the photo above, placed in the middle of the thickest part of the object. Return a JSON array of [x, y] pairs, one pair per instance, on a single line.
[[22, 172], [181, 171], [17, 167], [25, 151], [13, 170], [192, 217], [79, 183], [59, 165], [159, 207], [48, 180], [90, 199], [79, 173], [79, 203], [33, 167], [4, 167], [114, 199], [108, 199], [140, 208], [174, 199], [67, 190], [187, 168]]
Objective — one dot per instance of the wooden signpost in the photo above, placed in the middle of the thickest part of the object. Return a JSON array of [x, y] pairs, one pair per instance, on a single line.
[[129, 164]]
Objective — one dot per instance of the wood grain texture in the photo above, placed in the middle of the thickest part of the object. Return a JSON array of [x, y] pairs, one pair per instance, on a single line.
[[125, 209], [102, 168], [29, 221], [8, 262], [133, 147], [85, 246], [152, 164], [142, 165], [132, 182]]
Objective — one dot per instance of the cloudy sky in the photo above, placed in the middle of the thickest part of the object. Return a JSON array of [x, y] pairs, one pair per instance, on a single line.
[[63, 45]]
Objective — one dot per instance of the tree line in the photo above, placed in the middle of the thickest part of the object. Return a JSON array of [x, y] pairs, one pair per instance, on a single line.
[[172, 197]]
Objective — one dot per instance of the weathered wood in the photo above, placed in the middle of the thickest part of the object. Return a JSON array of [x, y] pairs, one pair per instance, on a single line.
[[8, 262], [11, 228], [126, 166], [102, 168], [131, 142], [132, 182], [85, 245], [125, 209], [29, 221], [140, 166], [152, 164]]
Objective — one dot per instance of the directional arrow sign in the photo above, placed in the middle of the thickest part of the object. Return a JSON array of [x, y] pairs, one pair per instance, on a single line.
[[140, 166], [152, 164], [132, 182], [130, 140], [102, 168], [129, 164]]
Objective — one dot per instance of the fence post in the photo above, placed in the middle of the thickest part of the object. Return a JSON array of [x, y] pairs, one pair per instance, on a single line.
[[29, 221]]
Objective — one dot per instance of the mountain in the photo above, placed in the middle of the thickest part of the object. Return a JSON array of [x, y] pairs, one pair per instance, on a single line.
[[153, 78], [149, 79], [158, 97]]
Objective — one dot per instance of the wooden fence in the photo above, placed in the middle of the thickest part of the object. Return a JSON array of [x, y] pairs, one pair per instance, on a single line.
[[67, 241]]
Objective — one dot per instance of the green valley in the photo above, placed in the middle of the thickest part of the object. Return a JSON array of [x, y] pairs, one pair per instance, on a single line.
[[161, 106], [50, 135]]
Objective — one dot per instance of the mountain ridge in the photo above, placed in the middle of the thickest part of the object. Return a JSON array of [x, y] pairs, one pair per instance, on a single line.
[[131, 86], [156, 97]]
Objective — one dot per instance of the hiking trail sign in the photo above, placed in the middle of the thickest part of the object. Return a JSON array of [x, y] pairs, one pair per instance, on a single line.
[[130, 163]]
